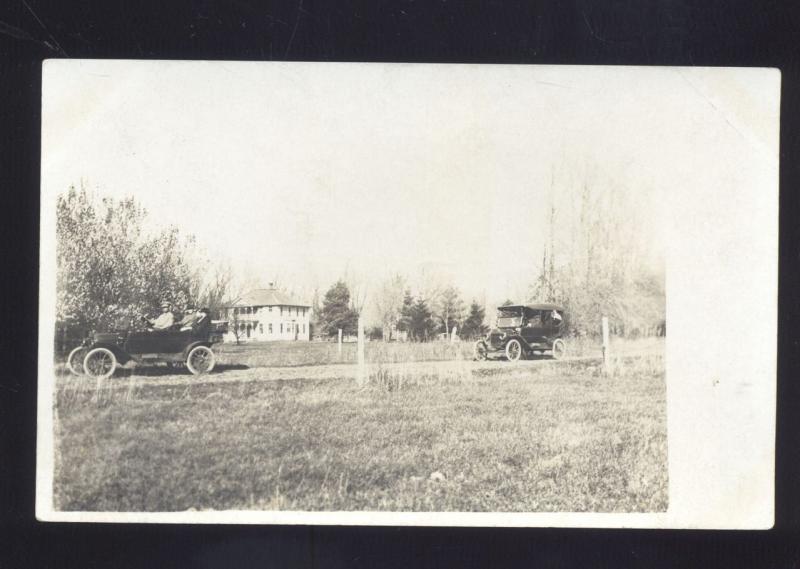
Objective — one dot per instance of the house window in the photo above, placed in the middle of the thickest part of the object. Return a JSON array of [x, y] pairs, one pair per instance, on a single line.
[[270, 327], [304, 328], [281, 327], [270, 309], [260, 328], [281, 310]]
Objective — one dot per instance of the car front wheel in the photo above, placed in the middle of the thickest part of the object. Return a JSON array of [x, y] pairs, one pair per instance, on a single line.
[[100, 363], [513, 350], [200, 360]]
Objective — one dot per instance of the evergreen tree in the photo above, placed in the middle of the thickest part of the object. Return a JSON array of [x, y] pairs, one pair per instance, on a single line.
[[473, 325], [336, 311], [421, 323], [404, 322]]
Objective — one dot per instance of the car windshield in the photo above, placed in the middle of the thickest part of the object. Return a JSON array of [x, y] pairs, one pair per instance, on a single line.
[[508, 318]]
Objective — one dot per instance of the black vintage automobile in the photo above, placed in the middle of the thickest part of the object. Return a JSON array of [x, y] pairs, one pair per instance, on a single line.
[[523, 330], [102, 352]]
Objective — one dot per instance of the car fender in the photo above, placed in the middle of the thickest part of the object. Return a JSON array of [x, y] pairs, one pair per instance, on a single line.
[[121, 355], [517, 337], [193, 345]]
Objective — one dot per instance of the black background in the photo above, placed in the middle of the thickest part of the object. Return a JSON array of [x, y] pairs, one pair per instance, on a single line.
[[625, 32]]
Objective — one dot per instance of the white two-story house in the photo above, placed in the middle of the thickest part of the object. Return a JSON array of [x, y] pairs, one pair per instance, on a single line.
[[268, 314]]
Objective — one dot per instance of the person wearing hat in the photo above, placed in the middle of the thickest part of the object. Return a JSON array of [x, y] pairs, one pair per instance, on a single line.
[[165, 319], [191, 317]]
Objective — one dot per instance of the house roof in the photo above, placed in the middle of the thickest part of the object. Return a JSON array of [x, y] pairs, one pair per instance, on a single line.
[[541, 306], [268, 297]]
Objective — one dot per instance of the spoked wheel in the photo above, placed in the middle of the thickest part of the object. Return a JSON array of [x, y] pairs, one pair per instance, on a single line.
[[559, 349], [513, 350], [200, 360], [480, 351], [100, 363], [75, 360]]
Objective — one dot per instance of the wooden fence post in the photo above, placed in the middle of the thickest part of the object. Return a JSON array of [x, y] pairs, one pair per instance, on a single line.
[[606, 346]]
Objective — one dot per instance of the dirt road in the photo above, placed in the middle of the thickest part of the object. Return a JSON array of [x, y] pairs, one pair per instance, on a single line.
[[161, 376]]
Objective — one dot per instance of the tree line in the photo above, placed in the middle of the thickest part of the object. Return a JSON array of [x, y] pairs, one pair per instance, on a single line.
[[402, 314], [110, 271]]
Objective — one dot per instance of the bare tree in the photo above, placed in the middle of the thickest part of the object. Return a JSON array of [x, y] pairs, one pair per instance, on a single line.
[[449, 308], [602, 271], [389, 303], [358, 287]]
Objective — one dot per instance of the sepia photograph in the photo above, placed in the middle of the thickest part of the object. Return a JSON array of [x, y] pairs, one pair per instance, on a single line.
[[292, 288]]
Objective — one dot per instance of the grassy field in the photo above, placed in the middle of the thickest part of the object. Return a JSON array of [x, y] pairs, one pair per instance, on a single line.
[[558, 436], [268, 354], [281, 354]]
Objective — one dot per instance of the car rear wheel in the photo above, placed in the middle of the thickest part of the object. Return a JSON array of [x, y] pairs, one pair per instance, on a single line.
[[559, 349], [481, 352], [75, 361], [200, 360], [513, 350], [100, 363]]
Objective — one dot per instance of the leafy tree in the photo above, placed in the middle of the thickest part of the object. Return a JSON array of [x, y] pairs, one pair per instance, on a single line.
[[449, 309], [336, 311], [108, 271], [473, 325]]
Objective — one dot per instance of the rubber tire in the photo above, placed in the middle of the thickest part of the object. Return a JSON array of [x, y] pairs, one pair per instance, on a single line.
[[96, 351], [560, 352], [71, 364], [191, 368], [509, 351], [480, 351]]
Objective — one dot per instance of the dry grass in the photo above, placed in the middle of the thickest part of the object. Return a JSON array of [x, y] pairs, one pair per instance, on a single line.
[[553, 437], [288, 354]]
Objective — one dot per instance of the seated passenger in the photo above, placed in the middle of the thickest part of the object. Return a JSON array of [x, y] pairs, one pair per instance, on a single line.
[[165, 319], [534, 321], [191, 318]]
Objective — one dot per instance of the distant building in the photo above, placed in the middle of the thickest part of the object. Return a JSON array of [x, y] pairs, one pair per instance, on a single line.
[[268, 314]]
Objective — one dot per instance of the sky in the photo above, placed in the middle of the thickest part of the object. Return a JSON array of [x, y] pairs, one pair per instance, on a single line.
[[309, 172]]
